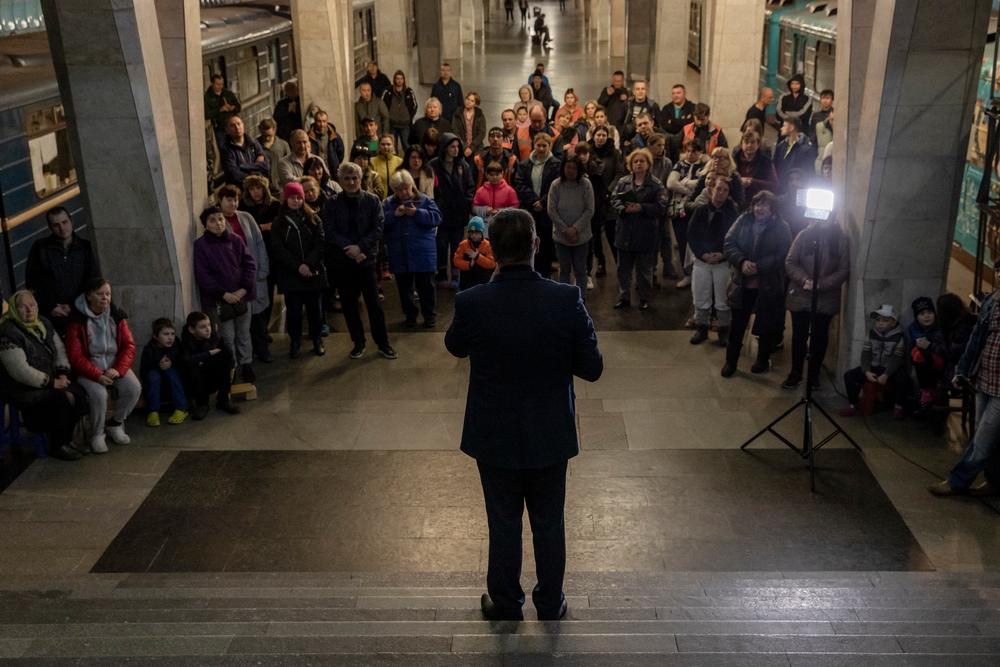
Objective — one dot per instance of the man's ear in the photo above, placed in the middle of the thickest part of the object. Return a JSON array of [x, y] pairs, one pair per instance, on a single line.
[[535, 243]]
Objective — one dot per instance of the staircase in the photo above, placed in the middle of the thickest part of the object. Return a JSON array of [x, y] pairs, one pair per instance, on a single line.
[[418, 619]]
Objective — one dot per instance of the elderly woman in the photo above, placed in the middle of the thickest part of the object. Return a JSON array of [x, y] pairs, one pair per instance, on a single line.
[[641, 201], [101, 350], [410, 222], [756, 247], [34, 375]]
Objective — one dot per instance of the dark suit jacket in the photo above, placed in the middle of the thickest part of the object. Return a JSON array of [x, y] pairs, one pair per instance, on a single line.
[[526, 337]]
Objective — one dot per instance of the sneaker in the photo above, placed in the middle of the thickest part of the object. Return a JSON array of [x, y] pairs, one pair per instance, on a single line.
[[246, 372], [728, 370], [153, 419], [387, 352], [622, 303], [98, 445], [590, 283], [700, 336], [324, 330], [178, 417], [944, 488], [358, 351], [117, 434], [984, 490], [643, 305], [683, 282], [792, 381], [849, 411], [318, 349], [199, 412]]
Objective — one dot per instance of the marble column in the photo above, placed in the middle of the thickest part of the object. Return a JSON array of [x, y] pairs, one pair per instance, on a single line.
[[617, 28], [921, 77], [602, 19], [451, 29], [429, 50], [669, 59], [117, 99], [180, 36], [325, 59], [393, 44], [730, 76], [640, 21], [467, 20]]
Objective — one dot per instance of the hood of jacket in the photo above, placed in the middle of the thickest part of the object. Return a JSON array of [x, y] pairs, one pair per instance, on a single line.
[[802, 83], [445, 140], [102, 334]]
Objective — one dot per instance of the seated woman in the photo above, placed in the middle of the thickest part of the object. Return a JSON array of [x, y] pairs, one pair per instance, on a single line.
[[101, 350], [34, 375]]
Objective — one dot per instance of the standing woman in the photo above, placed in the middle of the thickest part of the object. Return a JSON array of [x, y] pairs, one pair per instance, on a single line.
[[469, 123], [34, 375], [681, 183], [641, 201], [532, 180], [260, 203], [571, 207], [316, 168], [101, 351], [612, 168], [411, 220], [298, 248], [756, 247], [829, 240], [416, 165], [754, 167], [402, 105]]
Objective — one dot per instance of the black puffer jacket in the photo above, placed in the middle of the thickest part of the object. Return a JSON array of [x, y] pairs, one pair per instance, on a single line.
[[768, 252], [639, 232], [297, 239], [454, 189]]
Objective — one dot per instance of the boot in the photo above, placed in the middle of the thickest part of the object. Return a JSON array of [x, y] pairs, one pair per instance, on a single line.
[[700, 335], [723, 340], [763, 362]]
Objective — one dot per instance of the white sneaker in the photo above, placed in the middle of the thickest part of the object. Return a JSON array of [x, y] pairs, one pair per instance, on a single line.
[[118, 434], [590, 283], [683, 282], [98, 445]]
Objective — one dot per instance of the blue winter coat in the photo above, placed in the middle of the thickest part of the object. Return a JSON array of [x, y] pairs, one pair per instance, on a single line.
[[410, 240]]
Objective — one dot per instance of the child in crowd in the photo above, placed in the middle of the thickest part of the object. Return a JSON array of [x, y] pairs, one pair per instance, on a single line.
[[882, 358], [474, 256], [206, 366], [159, 367], [928, 351]]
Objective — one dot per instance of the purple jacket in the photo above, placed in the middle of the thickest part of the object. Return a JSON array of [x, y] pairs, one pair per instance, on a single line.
[[223, 264]]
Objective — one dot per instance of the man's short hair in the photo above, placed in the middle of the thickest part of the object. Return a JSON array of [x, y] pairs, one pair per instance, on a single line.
[[826, 93], [618, 72], [679, 85], [702, 110], [644, 116], [227, 191], [296, 133], [348, 169], [54, 211], [512, 236], [161, 323], [216, 77], [794, 122], [194, 318], [266, 124]]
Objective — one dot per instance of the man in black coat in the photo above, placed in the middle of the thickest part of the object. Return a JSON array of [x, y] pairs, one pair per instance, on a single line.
[[614, 99], [673, 117], [377, 79], [242, 155], [526, 338], [59, 265], [448, 92], [352, 228]]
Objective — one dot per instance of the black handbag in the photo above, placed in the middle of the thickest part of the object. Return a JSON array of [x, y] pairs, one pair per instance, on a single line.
[[230, 311]]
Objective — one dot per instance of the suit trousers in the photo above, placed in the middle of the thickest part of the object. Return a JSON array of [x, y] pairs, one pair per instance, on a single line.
[[506, 492], [358, 280]]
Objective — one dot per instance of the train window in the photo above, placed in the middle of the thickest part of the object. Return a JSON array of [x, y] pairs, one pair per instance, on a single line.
[[826, 66], [247, 73], [787, 56], [809, 66], [800, 54], [52, 167], [274, 62]]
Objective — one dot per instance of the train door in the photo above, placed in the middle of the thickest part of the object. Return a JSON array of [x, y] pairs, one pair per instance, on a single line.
[[696, 23], [365, 39]]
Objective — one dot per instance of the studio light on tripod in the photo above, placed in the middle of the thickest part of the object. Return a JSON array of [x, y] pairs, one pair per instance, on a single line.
[[818, 203]]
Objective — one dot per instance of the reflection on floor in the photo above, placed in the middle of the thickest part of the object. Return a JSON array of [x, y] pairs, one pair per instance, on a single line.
[[683, 510]]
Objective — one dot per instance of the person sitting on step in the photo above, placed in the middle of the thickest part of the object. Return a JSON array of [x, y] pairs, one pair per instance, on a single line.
[[882, 363]]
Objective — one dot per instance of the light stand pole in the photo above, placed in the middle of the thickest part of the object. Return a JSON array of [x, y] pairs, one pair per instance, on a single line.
[[819, 207]]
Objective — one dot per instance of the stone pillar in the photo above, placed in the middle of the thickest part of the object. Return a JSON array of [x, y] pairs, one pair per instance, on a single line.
[[451, 32], [602, 21], [117, 98], [731, 75], [617, 28], [670, 56], [180, 37], [922, 72], [429, 51], [393, 44], [325, 59], [467, 21], [854, 36], [640, 20], [479, 12]]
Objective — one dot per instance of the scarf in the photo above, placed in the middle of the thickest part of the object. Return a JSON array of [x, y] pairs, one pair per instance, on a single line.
[[36, 328]]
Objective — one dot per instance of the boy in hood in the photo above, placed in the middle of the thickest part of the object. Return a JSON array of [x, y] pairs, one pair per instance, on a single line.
[[881, 363]]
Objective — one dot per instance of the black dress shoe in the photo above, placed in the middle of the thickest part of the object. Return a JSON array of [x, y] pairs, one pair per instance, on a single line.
[[293, 350], [65, 453], [199, 412], [558, 616], [493, 613], [622, 303]]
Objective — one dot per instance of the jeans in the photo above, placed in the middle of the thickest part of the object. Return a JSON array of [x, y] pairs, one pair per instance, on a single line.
[[980, 454], [448, 239], [424, 282], [596, 244], [643, 263], [708, 287], [506, 492], [818, 341], [155, 379], [294, 301], [236, 334], [402, 135], [573, 258], [359, 280], [129, 390]]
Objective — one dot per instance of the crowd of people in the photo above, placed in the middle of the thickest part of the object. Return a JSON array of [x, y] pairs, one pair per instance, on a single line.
[[657, 188]]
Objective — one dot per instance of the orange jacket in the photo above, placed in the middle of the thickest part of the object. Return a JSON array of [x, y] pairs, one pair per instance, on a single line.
[[484, 260]]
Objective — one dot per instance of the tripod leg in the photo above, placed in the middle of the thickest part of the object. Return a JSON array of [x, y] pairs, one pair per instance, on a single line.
[[838, 427], [773, 423]]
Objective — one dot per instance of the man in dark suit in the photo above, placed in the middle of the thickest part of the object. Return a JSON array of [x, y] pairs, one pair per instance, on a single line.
[[526, 337]]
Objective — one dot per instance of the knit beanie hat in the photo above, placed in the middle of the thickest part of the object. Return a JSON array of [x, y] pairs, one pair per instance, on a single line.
[[920, 304], [476, 224], [293, 188]]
